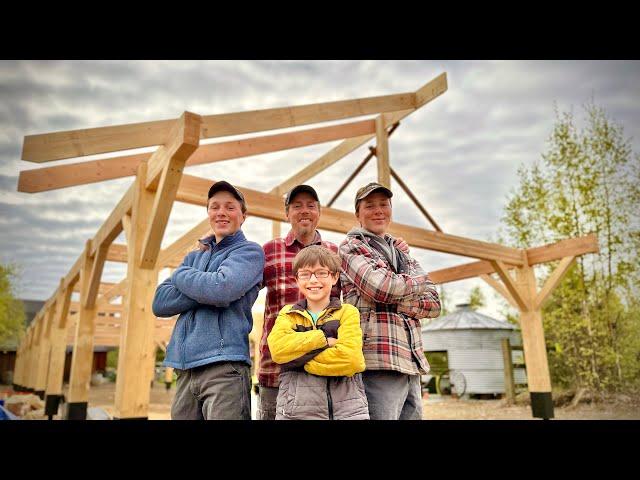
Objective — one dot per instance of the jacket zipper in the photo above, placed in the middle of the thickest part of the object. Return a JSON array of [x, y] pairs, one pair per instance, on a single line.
[[329, 400]]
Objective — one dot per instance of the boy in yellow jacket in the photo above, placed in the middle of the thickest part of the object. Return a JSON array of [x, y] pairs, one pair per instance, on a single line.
[[318, 342]]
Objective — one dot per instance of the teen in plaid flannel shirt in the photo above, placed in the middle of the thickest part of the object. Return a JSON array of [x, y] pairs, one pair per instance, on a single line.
[[392, 293]]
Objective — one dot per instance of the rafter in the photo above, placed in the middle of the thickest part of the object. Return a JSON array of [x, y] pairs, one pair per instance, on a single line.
[[81, 173], [76, 143]]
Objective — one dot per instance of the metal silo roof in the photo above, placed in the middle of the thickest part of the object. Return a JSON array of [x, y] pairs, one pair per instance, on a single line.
[[466, 319]]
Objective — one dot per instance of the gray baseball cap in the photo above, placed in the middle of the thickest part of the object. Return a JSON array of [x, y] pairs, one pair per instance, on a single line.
[[299, 189], [368, 189]]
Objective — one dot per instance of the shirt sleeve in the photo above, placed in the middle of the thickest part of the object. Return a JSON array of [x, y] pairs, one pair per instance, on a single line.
[[287, 345], [169, 301], [374, 279], [235, 276]]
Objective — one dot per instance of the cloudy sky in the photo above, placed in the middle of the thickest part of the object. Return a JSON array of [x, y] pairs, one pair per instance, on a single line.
[[458, 154]]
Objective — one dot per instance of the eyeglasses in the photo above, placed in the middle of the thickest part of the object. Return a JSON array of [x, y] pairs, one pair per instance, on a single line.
[[306, 274]]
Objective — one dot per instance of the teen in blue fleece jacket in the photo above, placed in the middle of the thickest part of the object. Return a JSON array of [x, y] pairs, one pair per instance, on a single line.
[[213, 292]]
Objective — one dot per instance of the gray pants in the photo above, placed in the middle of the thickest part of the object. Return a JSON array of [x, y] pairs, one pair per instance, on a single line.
[[267, 397], [393, 395], [218, 391]]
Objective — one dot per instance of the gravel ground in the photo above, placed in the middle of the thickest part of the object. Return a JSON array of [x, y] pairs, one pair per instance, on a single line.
[[435, 407]]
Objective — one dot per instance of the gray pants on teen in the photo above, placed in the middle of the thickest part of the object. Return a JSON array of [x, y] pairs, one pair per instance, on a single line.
[[393, 395], [267, 397], [218, 391]]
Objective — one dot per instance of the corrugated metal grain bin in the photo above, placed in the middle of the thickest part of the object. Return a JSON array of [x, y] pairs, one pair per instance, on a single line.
[[471, 342]]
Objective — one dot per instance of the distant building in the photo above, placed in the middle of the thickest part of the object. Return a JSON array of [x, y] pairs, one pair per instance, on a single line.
[[469, 342]]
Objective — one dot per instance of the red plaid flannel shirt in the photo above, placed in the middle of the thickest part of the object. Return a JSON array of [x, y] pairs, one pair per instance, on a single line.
[[281, 290], [390, 304]]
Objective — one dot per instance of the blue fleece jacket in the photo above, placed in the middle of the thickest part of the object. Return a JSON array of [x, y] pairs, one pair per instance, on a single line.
[[213, 291]]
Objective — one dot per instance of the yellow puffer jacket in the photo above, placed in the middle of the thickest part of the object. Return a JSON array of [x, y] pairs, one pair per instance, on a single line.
[[295, 342], [318, 382]]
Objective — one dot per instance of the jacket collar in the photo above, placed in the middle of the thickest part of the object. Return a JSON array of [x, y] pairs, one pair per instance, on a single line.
[[366, 234], [290, 238], [301, 306], [225, 242]]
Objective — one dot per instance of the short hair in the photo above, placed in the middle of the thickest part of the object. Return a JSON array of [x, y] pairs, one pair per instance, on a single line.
[[313, 254], [243, 204]]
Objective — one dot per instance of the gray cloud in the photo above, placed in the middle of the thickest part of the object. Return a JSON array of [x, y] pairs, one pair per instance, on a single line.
[[459, 154]]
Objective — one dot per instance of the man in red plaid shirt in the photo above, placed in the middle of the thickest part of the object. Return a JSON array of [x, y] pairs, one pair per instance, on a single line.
[[302, 208], [392, 293]]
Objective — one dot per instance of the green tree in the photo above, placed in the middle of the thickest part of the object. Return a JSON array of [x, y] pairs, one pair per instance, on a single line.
[[587, 181], [12, 314], [476, 298]]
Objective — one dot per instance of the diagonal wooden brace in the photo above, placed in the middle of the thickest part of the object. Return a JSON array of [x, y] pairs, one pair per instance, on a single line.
[[510, 285], [165, 173]]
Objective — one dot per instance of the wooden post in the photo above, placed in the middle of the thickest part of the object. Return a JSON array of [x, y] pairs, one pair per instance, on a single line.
[[27, 352], [276, 231], [18, 369], [42, 367], [509, 383], [35, 354], [82, 358], [535, 351], [382, 152], [138, 322], [58, 352]]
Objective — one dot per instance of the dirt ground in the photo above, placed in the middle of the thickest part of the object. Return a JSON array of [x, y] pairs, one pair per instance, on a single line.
[[436, 407]]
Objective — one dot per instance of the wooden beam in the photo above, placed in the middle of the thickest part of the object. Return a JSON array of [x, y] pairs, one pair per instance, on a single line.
[[126, 227], [276, 231], [382, 152], [100, 308], [58, 343], [510, 285], [274, 118], [116, 290], [64, 310], [428, 92], [82, 173], [76, 143], [180, 144], [535, 256], [91, 293], [104, 287], [497, 286], [553, 281], [138, 322], [509, 384], [172, 255], [413, 198], [165, 173], [112, 227], [372, 152], [563, 248], [535, 351], [82, 357], [42, 366], [194, 190], [321, 164]]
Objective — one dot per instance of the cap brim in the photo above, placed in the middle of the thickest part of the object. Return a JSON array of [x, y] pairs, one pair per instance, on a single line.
[[300, 189]]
